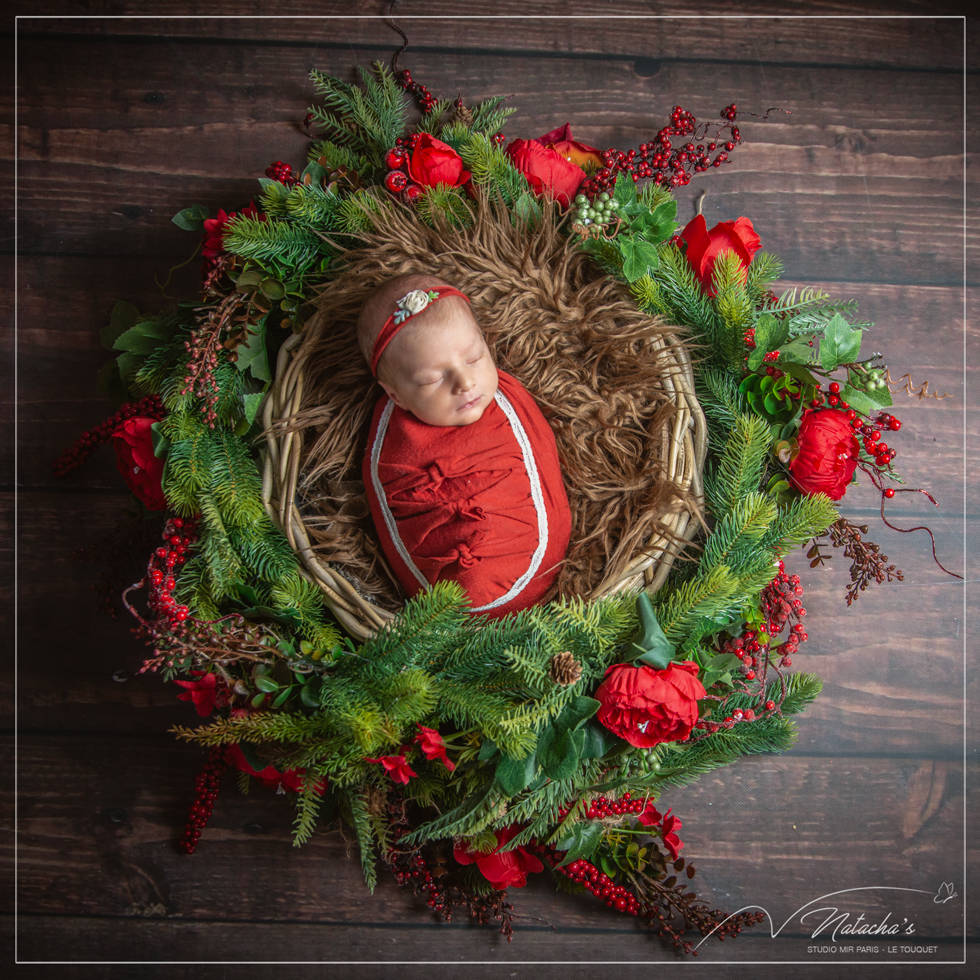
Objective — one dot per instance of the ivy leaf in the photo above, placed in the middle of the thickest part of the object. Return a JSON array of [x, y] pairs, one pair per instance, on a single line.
[[584, 838], [770, 333], [527, 208], [638, 258], [192, 218], [488, 749], [625, 192], [840, 344], [129, 364], [513, 775], [252, 401], [124, 316], [252, 354]]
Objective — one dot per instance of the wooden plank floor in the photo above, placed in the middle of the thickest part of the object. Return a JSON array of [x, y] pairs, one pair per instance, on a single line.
[[859, 187]]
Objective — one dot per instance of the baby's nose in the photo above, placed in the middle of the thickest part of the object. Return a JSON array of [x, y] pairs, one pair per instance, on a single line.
[[465, 380]]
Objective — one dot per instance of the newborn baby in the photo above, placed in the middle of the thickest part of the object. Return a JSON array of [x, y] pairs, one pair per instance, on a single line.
[[461, 468]]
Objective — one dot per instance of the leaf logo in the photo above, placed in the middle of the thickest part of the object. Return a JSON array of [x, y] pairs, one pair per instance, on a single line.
[[945, 893]]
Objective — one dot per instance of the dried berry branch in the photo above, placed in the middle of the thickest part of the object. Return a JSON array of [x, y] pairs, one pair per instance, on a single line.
[[922, 391], [867, 562]]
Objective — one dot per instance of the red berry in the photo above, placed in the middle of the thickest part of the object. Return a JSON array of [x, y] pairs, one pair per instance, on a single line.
[[396, 181], [834, 388], [889, 493]]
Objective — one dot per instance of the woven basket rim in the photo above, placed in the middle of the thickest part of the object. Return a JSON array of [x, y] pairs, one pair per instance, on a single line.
[[282, 466]]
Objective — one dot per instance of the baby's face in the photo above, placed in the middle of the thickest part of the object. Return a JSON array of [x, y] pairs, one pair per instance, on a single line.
[[442, 372]]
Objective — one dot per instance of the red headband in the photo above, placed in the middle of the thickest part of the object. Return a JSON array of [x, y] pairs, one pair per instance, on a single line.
[[409, 305]]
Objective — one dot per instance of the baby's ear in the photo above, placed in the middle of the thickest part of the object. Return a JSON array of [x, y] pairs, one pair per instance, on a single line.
[[391, 393]]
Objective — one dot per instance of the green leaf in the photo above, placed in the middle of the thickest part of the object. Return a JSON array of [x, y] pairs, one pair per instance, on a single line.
[[638, 257], [649, 646], [143, 337], [797, 371], [557, 754], [625, 192], [252, 401], [266, 684], [129, 364], [527, 208], [513, 775], [840, 343], [279, 701], [192, 218], [585, 837], [597, 740], [576, 713], [770, 333], [252, 354], [488, 749], [124, 315], [310, 694], [161, 444]]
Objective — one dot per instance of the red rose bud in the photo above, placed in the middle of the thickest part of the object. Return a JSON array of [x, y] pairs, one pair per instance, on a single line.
[[140, 468], [433, 163], [704, 247], [581, 154], [503, 870], [546, 170], [828, 453], [647, 706]]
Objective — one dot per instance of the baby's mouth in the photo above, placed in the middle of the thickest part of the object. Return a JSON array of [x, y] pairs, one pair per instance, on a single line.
[[472, 403]]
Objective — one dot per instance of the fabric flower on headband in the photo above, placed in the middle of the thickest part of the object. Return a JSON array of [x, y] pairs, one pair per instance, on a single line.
[[414, 302]]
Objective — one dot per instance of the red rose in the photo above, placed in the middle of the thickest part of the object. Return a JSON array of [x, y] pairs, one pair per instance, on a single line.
[[546, 170], [142, 471], [828, 454], [647, 706], [292, 779], [506, 870], [704, 247], [560, 140], [434, 162]]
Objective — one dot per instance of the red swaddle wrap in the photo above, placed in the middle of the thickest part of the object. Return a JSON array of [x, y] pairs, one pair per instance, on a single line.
[[483, 505]]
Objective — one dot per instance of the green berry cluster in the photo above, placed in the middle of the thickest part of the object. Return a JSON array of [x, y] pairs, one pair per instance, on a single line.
[[870, 379], [598, 212]]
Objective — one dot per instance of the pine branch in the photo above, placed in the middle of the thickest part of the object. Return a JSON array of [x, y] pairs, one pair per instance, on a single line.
[[365, 837], [272, 240], [806, 518], [735, 308], [738, 470], [308, 801]]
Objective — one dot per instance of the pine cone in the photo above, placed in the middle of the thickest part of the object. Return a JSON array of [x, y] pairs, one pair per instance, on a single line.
[[377, 802], [564, 669], [463, 114]]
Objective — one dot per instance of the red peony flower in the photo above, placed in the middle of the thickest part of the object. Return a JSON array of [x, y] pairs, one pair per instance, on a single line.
[[142, 471], [560, 140], [704, 247], [506, 870], [201, 693], [433, 747], [546, 170], [291, 780], [651, 816], [828, 453], [434, 162], [397, 766], [647, 706]]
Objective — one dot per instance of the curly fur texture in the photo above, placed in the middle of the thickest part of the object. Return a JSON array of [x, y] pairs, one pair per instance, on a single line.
[[573, 337]]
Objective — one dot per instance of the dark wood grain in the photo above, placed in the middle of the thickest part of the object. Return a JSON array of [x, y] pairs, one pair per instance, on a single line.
[[785, 34], [97, 839], [125, 121], [869, 174]]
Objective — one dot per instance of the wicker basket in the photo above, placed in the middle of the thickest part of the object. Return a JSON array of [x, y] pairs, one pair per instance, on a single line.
[[684, 444]]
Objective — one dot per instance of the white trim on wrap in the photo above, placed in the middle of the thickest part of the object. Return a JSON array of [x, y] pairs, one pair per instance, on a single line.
[[537, 498]]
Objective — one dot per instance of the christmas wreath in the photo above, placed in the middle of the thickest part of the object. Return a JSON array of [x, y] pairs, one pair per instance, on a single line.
[[466, 754]]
